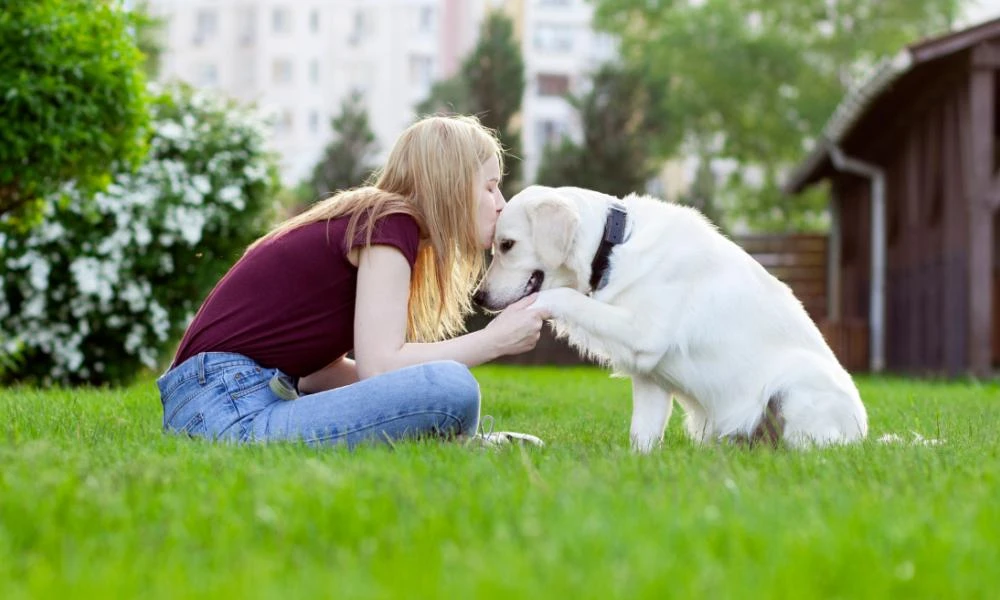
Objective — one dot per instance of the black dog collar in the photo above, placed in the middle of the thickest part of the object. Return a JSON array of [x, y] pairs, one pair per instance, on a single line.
[[614, 234]]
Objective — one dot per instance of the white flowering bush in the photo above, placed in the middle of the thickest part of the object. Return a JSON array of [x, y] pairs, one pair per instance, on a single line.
[[105, 285]]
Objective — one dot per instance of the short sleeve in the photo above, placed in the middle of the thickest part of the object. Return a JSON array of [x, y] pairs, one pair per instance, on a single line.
[[398, 230]]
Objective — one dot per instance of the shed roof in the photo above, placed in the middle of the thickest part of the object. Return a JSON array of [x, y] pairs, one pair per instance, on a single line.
[[892, 80]]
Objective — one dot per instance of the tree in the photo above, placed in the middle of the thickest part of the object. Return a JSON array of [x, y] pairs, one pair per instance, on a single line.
[[702, 194], [490, 84], [149, 31], [448, 96], [347, 160], [74, 99], [755, 80], [621, 119]]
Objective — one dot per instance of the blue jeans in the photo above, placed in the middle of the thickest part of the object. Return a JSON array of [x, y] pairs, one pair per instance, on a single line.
[[227, 397]]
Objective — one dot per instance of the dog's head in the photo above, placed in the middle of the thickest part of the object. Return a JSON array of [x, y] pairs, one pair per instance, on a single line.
[[536, 236]]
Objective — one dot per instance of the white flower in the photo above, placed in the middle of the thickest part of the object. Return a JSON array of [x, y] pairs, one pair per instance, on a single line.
[[34, 308], [160, 321], [169, 130], [143, 236], [86, 270], [255, 173], [166, 263], [135, 295], [38, 271], [233, 196], [186, 221], [202, 184]]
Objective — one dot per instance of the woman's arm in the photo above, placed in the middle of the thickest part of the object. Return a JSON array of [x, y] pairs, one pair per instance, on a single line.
[[380, 322], [337, 374]]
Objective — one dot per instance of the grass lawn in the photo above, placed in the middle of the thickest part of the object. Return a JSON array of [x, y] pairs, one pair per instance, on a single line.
[[96, 502]]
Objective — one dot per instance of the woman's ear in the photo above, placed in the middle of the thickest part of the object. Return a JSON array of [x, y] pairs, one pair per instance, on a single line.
[[554, 222]]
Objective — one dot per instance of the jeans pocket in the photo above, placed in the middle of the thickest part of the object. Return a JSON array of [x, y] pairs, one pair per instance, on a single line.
[[245, 379], [197, 409], [195, 426]]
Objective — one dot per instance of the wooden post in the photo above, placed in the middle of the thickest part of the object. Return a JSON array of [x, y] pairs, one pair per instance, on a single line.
[[910, 231], [978, 144], [833, 259]]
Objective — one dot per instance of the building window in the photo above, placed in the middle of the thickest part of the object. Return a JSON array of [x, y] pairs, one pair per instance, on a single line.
[[552, 85], [549, 132], [281, 21], [359, 76], [553, 38], [247, 25], [421, 70], [281, 70], [283, 125], [314, 72], [314, 121], [314, 21], [208, 75], [206, 26], [425, 19], [361, 28], [247, 75]]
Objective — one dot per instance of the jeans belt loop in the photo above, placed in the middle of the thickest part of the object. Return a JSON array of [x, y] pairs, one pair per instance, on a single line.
[[201, 369]]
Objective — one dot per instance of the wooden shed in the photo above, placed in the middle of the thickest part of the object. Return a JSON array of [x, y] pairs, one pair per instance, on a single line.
[[911, 156]]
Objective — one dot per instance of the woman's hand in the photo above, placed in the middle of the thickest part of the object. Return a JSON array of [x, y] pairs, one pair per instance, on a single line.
[[518, 327]]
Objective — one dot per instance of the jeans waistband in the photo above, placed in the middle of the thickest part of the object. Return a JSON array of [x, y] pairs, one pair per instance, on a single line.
[[199, 364]]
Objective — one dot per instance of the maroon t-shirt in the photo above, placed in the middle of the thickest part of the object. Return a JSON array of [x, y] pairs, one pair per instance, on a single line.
[[289, 302]]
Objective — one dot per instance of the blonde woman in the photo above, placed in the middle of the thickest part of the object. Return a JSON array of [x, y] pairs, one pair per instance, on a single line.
[[387, 271]]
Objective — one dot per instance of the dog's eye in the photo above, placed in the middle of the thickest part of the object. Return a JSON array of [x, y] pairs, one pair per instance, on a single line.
[[506, 245]]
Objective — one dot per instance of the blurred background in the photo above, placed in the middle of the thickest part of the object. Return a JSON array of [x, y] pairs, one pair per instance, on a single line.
[[847, 144]]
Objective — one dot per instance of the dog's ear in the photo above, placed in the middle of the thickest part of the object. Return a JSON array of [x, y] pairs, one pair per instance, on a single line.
[[554, 222]]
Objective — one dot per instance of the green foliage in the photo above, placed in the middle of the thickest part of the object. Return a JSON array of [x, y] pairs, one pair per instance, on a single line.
[[448, 96], [149, 34], [103, 285], [490, 85], [96, 502], [703, 192], [621, 119], [74, 101], [755, 80], [347, 161]]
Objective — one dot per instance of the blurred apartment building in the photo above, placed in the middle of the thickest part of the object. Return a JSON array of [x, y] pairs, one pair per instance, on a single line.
[[298, 59]]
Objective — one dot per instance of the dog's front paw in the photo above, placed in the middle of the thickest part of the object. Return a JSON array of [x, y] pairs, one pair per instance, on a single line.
[[556, 301], [644, 443]]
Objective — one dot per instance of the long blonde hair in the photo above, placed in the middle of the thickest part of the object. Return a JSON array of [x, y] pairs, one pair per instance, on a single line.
[[432, 174]]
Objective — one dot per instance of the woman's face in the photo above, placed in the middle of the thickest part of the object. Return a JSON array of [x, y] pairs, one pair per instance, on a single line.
[[490, 201]]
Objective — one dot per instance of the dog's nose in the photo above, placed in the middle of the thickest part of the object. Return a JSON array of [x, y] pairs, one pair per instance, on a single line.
[[479, 298]]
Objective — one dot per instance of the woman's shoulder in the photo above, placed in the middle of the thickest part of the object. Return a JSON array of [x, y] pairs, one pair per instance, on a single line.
[[401, 222]]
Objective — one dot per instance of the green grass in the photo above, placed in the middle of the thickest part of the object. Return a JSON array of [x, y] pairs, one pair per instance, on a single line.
[[96, 502]]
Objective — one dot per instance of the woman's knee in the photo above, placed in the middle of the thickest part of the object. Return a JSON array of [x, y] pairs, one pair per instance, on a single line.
[[458, 388]]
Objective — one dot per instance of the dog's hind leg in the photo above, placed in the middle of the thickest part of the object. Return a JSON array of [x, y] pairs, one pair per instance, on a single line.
[[820, 418], [696, 420], [651, 408]]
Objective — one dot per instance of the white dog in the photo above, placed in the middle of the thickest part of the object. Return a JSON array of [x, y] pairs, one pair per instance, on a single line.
[[654, 290]]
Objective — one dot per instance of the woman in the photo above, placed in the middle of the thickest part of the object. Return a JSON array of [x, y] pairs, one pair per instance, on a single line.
[[386, 271]]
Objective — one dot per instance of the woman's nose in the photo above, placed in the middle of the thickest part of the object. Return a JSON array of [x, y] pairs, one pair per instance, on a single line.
[[500, 202]]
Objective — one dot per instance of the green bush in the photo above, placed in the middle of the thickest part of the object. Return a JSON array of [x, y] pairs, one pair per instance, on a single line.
[[107, 281], [73, 96]]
